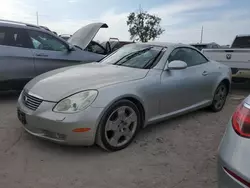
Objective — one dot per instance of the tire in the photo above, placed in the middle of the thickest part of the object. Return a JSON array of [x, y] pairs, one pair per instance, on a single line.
[[219, 98], [114, 128]]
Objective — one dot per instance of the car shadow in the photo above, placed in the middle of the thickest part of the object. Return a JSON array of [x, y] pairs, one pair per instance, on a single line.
[[9, 95], [240, 87], [170, 123]]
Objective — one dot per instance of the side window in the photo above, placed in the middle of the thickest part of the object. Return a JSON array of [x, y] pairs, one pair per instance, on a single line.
[[178, 54], [14, 37], [188, 55], [2, 35], [195, 57], [44, 41]]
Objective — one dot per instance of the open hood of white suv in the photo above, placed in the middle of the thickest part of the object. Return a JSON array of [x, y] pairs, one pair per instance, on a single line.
[[85, 35]]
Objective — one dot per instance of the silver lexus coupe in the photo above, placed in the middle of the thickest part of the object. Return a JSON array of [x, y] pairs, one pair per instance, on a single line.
[[110, 101]]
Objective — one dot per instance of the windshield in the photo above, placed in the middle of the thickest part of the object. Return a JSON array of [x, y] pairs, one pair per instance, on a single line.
[[241, 42], [137, 56]]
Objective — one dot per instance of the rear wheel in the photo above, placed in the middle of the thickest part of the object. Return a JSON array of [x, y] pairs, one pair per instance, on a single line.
[[119, 126], [219, 97]]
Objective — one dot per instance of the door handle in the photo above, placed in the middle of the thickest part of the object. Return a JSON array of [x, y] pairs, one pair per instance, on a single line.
[[42, 55], [205, 73]]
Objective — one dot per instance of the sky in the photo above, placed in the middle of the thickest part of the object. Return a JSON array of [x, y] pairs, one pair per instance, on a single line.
[[182, 19]]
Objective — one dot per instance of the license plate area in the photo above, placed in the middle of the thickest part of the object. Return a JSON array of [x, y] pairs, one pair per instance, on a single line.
[[22, 117]]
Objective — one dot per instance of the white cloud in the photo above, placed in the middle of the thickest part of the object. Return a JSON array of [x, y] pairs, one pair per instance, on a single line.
[[179, 26], [17, 10]]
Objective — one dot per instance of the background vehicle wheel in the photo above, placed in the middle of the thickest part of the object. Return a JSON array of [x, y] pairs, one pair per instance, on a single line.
[[119, 126], [220, 96]]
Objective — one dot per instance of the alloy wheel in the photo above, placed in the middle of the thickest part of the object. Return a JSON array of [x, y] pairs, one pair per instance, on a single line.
[[220, 96], [121, 126]]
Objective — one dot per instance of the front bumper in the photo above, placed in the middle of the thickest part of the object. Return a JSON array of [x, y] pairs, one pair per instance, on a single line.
[[57, 127]]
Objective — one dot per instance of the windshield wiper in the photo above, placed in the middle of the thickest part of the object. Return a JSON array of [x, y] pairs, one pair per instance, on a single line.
[[151, 62], [131, 55], [78, 47]]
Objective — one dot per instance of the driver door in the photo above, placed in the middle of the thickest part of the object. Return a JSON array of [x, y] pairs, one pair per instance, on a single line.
[[182, 89]]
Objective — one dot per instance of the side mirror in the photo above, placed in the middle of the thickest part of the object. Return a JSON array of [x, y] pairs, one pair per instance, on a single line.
[[70, 48], [176, 65]]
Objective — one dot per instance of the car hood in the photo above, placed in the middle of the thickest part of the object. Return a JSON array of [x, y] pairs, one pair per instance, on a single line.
[[60, 83], [85, 35]]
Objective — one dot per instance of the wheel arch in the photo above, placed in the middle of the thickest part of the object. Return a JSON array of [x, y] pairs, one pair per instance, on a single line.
[[140, 106], [134, 99], [227, 83], [223, 80]]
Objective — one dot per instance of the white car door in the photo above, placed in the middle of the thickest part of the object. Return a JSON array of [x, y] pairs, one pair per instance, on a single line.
[[16, 59]]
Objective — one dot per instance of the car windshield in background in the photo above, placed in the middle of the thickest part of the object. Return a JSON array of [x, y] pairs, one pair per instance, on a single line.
[[136, 56], [241, 42], [200, 47]]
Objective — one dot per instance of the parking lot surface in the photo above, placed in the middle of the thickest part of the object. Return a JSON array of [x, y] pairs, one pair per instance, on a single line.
[[176, 153]]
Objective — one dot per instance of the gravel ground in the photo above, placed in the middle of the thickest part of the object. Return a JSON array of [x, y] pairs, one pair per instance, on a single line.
[[177, 153]]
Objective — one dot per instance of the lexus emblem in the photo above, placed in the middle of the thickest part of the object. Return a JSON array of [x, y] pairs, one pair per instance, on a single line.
[[228, 56]]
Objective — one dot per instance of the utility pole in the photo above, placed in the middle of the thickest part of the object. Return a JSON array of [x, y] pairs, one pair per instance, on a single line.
[[140, 9], [201, 34], [37, 18]]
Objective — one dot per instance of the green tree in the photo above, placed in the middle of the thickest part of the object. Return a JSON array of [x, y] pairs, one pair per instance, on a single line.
[[143, 26]]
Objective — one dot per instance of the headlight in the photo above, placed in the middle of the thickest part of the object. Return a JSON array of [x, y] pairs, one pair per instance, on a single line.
[[76, 102]]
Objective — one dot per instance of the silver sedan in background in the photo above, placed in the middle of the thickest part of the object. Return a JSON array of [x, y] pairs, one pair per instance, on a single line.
[[109, 102], [234, 153]]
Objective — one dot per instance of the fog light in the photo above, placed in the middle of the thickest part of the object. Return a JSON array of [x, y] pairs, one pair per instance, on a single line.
[[54, 135]]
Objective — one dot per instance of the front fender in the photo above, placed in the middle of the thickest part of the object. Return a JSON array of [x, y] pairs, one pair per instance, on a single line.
[[226, 74], [146, 91]]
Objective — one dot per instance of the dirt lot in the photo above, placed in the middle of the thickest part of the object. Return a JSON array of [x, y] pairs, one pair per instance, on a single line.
[[174, 154]]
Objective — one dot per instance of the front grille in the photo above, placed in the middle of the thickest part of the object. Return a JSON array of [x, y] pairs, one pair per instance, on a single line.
[[31, 101]]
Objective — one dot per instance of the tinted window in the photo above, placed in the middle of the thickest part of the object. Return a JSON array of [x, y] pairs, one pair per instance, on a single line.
[[137, 56], [44, 41], [2, 35], [14, 37], [188, 55], [95, 48], [241, 42]]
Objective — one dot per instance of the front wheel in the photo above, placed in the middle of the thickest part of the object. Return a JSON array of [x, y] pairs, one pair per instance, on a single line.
[[118, 126], [219, 98]]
